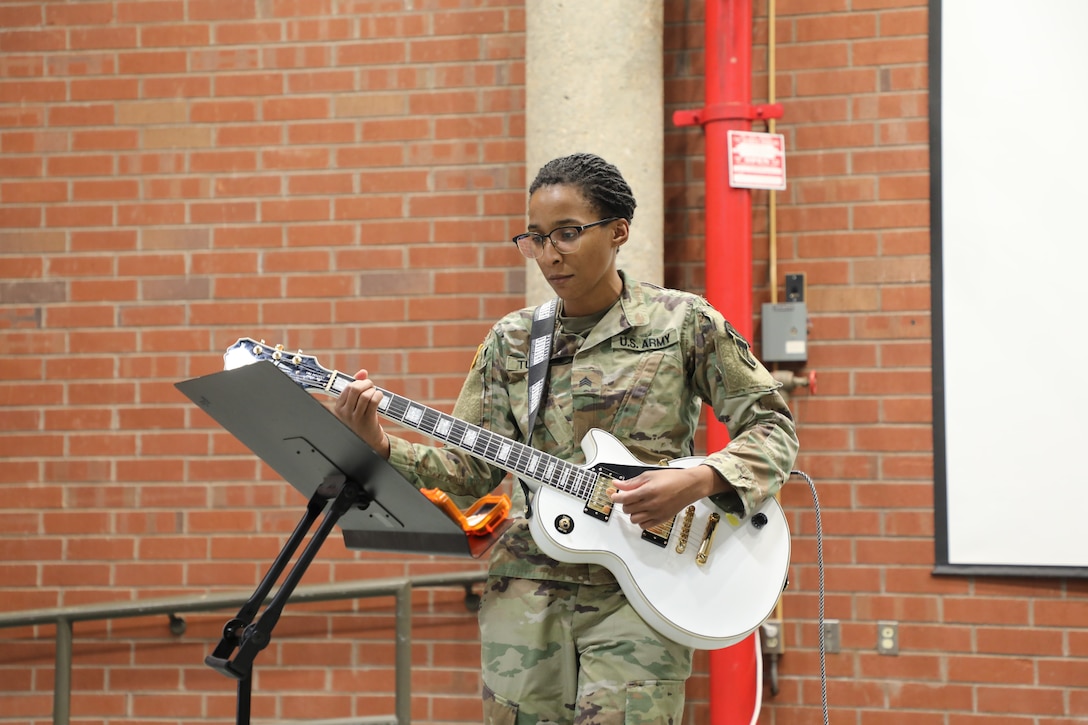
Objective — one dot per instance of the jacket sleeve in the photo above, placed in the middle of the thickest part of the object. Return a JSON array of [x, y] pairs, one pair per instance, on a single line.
[[481, 403], [763, 442]]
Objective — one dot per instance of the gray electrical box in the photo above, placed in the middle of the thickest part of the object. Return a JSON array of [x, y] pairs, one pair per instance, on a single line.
[[785, 332]]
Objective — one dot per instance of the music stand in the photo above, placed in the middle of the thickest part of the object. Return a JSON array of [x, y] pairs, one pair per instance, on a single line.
[[375, 507]]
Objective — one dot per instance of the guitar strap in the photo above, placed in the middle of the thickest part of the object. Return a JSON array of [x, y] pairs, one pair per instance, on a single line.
[[540, 350]]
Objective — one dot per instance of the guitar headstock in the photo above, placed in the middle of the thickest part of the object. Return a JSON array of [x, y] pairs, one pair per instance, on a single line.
[[303, 369]]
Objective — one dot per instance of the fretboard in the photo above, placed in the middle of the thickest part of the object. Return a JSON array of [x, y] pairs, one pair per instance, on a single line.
[[517, 458]]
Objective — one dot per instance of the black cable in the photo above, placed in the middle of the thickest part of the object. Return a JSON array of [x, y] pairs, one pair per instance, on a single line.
[[820, 569]]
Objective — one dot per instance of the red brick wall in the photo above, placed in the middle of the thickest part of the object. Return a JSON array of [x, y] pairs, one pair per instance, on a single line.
[[175, 175], [341, 176]]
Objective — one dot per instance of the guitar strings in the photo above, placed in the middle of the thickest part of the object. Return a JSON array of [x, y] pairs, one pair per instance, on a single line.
[[523, 459]]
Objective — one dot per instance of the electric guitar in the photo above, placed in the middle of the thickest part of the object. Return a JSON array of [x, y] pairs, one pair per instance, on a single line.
[[706, 579]]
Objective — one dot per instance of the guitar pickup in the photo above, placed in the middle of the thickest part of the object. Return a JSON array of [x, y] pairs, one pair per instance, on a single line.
[[656, 536], [599, 505]]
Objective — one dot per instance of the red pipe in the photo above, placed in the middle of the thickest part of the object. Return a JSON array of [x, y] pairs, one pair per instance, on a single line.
[[728, 284], [728, 81]]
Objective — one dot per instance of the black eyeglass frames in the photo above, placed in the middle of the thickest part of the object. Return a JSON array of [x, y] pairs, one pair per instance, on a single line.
[[565, 239]]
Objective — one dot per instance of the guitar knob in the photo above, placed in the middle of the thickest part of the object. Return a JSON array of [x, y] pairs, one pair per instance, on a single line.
[[759, 520]]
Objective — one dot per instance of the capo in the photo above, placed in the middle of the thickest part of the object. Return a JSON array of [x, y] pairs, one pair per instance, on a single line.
[[480, 519]]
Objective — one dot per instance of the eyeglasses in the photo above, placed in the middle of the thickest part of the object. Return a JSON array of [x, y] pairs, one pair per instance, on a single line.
[[565, 239]]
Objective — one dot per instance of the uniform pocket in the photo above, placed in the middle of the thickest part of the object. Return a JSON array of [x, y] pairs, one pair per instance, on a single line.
[[498, 710], [654, 702], [655, 408]]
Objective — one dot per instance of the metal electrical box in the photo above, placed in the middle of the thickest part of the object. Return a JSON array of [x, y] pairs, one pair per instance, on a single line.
[[785, 332]]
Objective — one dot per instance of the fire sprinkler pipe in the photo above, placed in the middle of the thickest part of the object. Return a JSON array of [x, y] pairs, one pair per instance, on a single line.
[[734, 671]]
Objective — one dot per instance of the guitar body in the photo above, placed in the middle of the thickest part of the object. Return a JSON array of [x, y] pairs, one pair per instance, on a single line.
[[701, 590], [705, 606]]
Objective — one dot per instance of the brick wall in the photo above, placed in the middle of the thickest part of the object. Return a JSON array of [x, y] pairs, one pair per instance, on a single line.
[[175, 175], [341, 176]]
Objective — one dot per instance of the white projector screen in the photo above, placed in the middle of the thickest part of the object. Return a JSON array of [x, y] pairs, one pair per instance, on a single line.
[[1009, 157]]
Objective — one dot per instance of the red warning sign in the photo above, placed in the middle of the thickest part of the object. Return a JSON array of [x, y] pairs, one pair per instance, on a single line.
[[757, 160]]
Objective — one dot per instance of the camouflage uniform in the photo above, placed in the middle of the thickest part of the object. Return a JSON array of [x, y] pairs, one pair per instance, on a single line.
[[640, 373]]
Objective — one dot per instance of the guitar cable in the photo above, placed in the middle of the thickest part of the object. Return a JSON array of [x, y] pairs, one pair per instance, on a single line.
[[820, 569]]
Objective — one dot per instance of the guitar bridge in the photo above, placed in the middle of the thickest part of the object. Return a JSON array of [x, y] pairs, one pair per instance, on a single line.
[[599, 505]]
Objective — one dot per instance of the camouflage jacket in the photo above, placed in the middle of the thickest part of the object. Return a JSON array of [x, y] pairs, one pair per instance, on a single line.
[[641, 374]]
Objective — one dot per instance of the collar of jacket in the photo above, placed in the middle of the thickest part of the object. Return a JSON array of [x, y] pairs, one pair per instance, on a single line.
[[630, 312]]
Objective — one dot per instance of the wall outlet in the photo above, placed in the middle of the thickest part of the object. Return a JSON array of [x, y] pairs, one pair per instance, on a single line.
[[887, 638], [771, 637], [832, 636], [795, 288]]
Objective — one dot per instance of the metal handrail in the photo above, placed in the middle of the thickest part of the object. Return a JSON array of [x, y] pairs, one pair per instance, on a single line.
[[400, 587]]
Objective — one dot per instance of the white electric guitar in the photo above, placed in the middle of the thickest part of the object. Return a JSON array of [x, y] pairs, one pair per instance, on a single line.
[[707, 579]]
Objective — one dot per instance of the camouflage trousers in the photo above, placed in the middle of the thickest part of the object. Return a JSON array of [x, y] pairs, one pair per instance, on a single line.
[[556, 653]]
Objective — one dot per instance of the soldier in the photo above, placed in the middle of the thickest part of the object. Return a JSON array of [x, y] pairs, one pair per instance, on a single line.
[[561, 642]]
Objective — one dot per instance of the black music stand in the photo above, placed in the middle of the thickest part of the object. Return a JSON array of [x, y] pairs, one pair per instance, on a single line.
[[375, 507]]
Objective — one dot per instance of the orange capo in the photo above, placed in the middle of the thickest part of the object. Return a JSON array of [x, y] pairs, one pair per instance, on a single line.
[[479, 519]]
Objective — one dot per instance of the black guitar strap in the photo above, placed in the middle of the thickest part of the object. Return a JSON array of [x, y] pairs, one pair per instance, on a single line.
[[540, 350]]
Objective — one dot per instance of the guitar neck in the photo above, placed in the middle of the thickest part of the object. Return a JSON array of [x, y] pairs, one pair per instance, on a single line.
[[509, 455]]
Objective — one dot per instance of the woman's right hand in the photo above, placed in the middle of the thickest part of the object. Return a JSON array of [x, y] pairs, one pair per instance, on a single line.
[[357, 407]]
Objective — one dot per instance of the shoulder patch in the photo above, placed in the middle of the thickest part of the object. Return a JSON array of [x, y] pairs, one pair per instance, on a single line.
[[744, 350]]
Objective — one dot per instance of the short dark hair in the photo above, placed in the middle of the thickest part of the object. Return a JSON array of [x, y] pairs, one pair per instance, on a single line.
[[599, 182]]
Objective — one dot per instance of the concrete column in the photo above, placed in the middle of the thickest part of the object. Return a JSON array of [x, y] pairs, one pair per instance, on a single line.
[[593, 82]]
